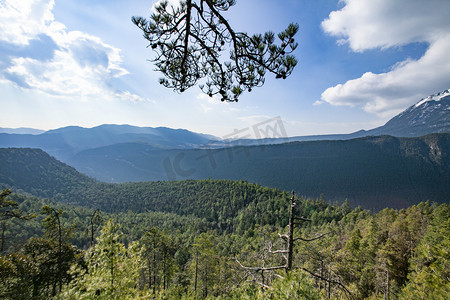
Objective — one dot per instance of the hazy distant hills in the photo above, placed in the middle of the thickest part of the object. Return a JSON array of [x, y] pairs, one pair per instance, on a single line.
[[22, 130], [429, 115], [65, 142], [367, 167]]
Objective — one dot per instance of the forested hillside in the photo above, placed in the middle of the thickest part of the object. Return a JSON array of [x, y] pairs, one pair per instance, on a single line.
[[72, 237], [360, 255], [374, 172], [37, 173]]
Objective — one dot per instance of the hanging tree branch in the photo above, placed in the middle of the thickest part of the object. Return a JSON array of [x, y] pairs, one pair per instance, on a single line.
[[190, 39]]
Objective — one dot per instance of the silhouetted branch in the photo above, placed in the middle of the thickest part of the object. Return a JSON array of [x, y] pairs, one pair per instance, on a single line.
[[190, 39]]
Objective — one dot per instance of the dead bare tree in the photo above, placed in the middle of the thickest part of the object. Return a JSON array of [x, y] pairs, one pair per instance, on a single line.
[[258, 274]]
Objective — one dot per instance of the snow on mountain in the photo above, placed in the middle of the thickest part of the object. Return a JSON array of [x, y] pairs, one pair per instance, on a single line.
[[429, 115], [435, 97]]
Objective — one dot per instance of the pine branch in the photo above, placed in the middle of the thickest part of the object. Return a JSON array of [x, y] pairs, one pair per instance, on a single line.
[[189, 40]]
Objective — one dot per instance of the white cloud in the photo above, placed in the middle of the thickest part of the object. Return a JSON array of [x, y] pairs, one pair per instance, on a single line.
[[318, 102], [129, 97], [368, 24], [21, 21], [207, 103], [80, 65]]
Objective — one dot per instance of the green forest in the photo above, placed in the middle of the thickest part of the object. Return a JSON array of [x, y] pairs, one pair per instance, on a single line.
[[228, 249], [67, 236], [243, 211], [374, 172]]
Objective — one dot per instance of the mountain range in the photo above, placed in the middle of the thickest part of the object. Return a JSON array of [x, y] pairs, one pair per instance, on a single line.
[[374, 172], [65, 142], [428, 115], [384, 166], [21, 130]]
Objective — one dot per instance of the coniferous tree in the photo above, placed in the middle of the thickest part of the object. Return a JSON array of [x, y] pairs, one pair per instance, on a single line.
[[45, 261], [204, 265], [8, 210], [430, 276], [111, 271], [158, 256], [189, 40], [55, 231]]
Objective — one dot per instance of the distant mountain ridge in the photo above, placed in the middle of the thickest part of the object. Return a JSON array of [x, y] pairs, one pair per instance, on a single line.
[[124, 153], [429, 115], [375, 172], [21, 130], [65, 142]]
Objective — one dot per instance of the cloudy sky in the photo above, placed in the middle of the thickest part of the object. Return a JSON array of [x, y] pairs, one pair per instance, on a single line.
[[67, 62]]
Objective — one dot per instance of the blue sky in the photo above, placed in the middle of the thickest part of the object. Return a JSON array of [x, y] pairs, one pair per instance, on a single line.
[[66, 62]]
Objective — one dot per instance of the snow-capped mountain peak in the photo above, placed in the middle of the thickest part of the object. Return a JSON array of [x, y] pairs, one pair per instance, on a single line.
[[429, 115], [435, 97]]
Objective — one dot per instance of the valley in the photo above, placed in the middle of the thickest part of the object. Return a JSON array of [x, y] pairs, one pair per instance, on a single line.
[[172, 214]]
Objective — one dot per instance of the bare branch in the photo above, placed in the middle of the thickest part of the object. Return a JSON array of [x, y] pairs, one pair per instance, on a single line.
[[283, 236], [277, 275], [339, 283], [312, 239], [278, 251], [302, 219], [287, 253], [258, 269], [262, 284], [186, 37]]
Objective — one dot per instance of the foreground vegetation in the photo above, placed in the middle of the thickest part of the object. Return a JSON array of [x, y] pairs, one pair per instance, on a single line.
[[72, 252]]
